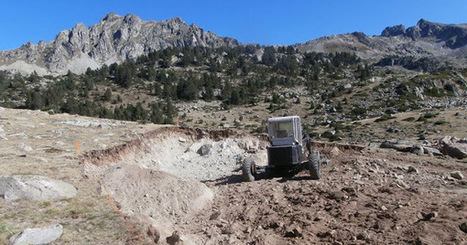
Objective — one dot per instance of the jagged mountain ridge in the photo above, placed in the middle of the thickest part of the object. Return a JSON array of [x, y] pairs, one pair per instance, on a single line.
[[116, 38], [447, 42], [113, 39]]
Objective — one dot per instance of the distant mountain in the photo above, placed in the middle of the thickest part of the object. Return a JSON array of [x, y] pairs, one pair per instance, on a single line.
[[113, 39], [116, 38], [446, 42]]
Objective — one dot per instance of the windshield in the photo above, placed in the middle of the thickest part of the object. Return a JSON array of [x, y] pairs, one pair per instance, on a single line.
[[281, 129]]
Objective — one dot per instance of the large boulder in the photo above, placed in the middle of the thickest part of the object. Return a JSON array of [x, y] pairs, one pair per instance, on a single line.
[[33, 187], [453, 147], [44, 235]]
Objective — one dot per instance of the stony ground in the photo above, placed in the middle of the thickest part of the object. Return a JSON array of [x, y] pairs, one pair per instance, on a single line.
[[366, 195]]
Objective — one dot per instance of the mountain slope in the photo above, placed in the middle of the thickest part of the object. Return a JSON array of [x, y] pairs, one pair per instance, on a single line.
[[113, 39], [426, 39], [116, 38]]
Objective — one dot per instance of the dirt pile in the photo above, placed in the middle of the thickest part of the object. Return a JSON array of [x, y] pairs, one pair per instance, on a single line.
[[165, 199], [154, 180]]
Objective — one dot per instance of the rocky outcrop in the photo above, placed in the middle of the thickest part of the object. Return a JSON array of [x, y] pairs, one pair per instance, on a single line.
[[33, 187], [438, 42], [44, 235], [113, 39], [454, 36], [453, 147]]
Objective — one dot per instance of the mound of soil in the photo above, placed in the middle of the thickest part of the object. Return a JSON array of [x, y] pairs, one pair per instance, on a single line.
[[159, 195]]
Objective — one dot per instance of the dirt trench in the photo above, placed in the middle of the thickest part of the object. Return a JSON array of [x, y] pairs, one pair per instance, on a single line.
[[188, 181], [159, 176]]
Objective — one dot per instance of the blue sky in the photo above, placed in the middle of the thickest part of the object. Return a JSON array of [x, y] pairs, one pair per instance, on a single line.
[[252, 21]]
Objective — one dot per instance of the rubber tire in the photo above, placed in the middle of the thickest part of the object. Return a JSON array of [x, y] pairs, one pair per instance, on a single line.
[[248, 169], [314, 165]]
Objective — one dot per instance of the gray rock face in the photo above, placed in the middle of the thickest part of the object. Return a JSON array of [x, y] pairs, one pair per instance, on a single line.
[[393, 31], [33, 187], [113, 39], [426, 39], [455, 36], [43, 235]]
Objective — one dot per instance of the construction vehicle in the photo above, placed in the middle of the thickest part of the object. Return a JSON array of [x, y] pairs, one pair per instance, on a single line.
[[286, 154]]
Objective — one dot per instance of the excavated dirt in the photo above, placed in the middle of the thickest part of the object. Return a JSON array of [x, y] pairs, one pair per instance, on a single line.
[[375, 196]]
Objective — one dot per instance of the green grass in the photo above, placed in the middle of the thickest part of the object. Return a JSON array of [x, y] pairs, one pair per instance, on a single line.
[[6, 231]]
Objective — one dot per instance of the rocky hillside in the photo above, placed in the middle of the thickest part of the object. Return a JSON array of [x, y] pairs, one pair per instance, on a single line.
[[116, 38], [446, 42], [113, 39]]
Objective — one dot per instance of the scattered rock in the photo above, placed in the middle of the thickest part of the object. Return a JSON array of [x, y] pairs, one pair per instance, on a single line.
[[457, 150], [230, 229], [330, 233], [453, 147], [215, 215], [446, 140], [276, 224], [428, 216], [432, 151], [328, 134], [417, 149], [349, 190], [412, 169], [337, 195], [463, 227], [397, 145], [393, 130], [334, 152], [204, 149], [24, 147], [457, 175], [43, 235], [174, 238], [295, 232], [362, 236], [34, 187]]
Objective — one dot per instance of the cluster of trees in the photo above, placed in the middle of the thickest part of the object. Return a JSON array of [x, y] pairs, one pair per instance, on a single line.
[[234, 76]]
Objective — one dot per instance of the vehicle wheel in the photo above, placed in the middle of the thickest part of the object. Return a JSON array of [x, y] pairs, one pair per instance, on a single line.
[[314, 165], [248, 169]]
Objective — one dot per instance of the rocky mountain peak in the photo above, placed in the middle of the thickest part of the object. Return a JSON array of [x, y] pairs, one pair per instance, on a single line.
[[453, 36], [113, 39], [393, 31], [110, 17]]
